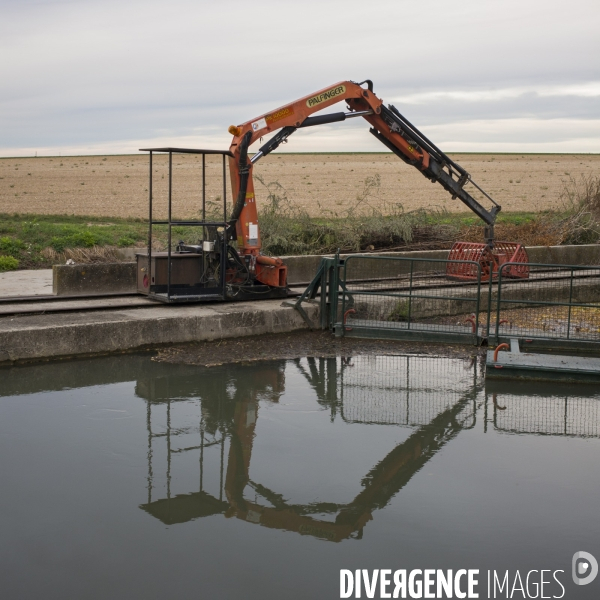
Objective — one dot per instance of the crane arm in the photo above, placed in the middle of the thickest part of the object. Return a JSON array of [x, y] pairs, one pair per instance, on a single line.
[[387, 125], [439, 168]]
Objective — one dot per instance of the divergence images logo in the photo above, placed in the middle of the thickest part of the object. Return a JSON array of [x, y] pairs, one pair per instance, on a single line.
[[585, 568]]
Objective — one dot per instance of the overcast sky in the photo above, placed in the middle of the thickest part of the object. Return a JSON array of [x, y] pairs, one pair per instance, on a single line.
[[112, 76]]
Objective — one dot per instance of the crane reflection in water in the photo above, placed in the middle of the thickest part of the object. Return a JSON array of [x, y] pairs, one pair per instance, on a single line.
[[430, 399]]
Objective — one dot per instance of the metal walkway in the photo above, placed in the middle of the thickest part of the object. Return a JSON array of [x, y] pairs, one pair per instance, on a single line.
[[527, 365]]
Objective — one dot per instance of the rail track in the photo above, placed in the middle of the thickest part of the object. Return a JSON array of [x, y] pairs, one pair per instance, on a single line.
[[32, 305], [17, 306], [13, 306]]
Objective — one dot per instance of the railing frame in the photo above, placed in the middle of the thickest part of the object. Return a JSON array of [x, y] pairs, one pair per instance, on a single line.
[[534, 339], [335, 299], [413, 330]]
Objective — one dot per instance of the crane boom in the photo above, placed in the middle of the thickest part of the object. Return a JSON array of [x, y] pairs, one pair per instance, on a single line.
[[387, 125]]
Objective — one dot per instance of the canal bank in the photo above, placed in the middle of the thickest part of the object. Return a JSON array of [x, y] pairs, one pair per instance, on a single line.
[[59, 335], [84, 321]]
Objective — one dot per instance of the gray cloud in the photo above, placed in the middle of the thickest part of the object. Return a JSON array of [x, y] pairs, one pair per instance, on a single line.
[[90, 76]]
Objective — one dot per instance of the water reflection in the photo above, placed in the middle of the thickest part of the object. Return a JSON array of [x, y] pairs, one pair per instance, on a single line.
[[144, 477], [531, 408], [433, 398], [203, 427]]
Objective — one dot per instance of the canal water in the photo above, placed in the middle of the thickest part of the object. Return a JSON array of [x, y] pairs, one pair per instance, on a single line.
[[126, 478]]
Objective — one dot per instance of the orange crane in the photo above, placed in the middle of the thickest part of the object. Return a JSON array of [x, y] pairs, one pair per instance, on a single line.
[[394, 131]]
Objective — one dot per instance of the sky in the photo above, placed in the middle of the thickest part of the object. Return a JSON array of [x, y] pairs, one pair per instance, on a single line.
[[113, 76]]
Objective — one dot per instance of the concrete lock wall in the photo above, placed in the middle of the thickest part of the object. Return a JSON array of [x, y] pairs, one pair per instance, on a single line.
[[36, 337], [103, 278], [69, 280]]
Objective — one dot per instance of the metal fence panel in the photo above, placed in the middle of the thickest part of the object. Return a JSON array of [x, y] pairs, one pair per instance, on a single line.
[[557, 302], [415, 299], [407, 298], [569, 416]]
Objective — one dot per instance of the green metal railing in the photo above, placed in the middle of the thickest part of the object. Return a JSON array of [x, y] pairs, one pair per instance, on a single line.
[[325, 285], [395, 297], [558, 303], [412, 298], [407, 298]]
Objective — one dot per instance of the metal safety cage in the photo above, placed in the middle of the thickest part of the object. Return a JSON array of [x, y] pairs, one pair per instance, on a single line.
[[176, 281], [558, 306], [406, 298], [169, 433]]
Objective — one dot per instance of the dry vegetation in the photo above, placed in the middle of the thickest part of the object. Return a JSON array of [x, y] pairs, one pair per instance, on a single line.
[[82, 208], [116, 186]]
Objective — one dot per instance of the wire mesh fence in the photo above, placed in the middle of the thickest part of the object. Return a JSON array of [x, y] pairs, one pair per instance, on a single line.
[[401, 297], [556, 302], [415, 298], [567, 416]]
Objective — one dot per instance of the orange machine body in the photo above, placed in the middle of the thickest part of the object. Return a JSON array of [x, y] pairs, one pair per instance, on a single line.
[[293, 114], [387, 125]]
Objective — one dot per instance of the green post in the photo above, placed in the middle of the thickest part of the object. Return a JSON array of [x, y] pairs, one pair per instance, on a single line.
[[498, 300], [489, 307], [478, 304], [335, 289], [570, 307], [323, 297], [410, 285]]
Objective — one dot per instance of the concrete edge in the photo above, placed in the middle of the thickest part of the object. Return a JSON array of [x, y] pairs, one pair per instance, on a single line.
[[63, 336]]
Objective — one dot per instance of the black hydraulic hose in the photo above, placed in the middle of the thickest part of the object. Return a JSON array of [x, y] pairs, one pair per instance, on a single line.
[[368, 82], [244, 171]]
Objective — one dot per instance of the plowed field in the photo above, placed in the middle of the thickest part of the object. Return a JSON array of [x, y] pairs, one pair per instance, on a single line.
[[117, 186]]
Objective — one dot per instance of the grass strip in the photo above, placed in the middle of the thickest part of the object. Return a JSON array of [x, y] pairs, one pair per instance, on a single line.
[[38, 241]]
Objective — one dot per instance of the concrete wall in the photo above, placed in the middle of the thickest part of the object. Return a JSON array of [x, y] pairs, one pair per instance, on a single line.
[[588, 254], [100, 278], [301, 269], [55, 335], [121, 277]]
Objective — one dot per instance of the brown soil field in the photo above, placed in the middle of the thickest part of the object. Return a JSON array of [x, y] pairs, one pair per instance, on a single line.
[[117, 186]]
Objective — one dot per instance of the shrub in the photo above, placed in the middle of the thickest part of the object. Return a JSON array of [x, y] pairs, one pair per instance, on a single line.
[[581, 205], [288, 229], [8, 263], [78, 239], [11, 246], [126, 242]]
